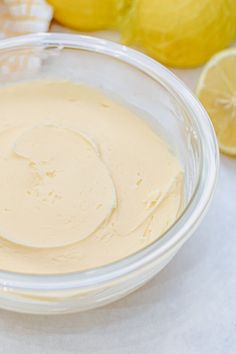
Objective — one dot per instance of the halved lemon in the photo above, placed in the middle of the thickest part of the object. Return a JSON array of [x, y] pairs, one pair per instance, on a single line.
[[216, 90]]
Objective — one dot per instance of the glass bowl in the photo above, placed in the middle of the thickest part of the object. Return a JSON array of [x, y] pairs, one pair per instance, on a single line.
[[162, 100]]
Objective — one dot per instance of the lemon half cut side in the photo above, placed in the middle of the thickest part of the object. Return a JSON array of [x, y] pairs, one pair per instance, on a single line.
[[216, 90]]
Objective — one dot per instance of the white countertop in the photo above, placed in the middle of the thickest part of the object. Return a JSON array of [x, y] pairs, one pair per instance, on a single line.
[[188, 308]]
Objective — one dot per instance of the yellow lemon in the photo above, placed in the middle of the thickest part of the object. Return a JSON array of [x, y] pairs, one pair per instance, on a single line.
[[180, 33], [85, 15], [217, 92]]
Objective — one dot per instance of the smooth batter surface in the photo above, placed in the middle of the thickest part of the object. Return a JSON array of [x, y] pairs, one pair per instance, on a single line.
[[83, 180]]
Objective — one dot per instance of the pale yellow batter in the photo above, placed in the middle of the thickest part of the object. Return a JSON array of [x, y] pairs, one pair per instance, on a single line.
[[83, 180]]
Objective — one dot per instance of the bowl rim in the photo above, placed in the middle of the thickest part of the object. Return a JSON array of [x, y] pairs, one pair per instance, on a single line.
[[192, 215]]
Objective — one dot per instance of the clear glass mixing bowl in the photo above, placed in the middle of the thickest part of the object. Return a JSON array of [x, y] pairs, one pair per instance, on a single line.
[[164, 101]]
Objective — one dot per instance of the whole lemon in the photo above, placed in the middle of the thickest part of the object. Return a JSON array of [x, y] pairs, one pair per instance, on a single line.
[[85, 15], [180, 33]]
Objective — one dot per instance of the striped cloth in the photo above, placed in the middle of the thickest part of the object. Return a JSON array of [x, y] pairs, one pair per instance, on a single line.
[[21, 17], [24, 16]]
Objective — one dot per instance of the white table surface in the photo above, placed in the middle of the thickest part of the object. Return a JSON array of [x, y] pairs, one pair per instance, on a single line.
[[188, 308]]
